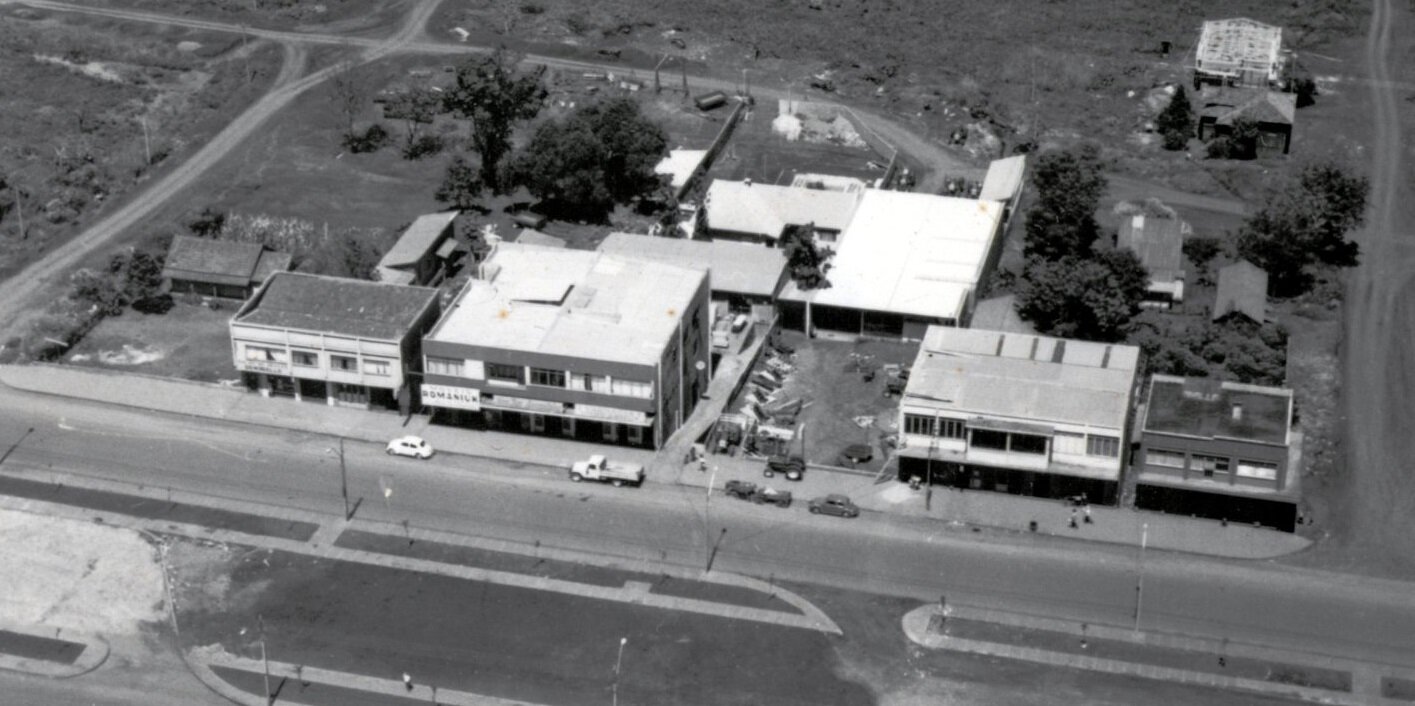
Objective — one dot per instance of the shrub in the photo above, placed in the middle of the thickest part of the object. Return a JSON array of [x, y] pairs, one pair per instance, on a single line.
[[1219, 148], [423, 146], [372, 139], [530, 8], [155, 304]]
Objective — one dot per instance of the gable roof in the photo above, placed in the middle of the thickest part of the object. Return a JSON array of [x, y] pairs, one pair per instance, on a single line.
[[766, 209], [1226, 104], [421, 237], [909, 253], [337, 305], [531, 236], [269, 263], [739, 268], [215, 261], [1155, 233], [1242, 289]]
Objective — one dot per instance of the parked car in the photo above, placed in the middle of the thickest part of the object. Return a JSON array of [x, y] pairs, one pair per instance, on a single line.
[[409, 446], [740, 489], [793, 467], [833, 504], [746, 490]]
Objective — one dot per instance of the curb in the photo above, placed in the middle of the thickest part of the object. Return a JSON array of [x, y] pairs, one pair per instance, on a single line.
[[94, 654]]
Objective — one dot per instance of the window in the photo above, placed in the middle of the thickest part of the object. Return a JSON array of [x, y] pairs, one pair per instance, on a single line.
[[344, 362], [918, 424], [630, 388], [1257, 469], [537, 423], [506, 374], [636, 434], [376, 367], [547, 378], [1069, 442], [1160, 457], [950, 428], [1028, 444], [1210, 465], [444, 366], [305, 359], [1107, 446], [988, 439], [589, 383], [262, 353], [610, 431]]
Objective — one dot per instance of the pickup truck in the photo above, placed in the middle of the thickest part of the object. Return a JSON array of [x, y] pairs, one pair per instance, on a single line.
[[745, 490], [599, 468]]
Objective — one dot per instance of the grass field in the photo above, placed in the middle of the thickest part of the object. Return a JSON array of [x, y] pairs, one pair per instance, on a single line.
[[78, 94], [191, 341], [354, 17]]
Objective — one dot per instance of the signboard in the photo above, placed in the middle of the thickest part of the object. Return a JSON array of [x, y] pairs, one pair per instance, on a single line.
[[611, 414], [273, 367], [522, 404], [451, 396]]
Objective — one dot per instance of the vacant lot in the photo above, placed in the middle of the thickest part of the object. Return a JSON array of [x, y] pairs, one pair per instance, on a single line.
[[95, 106], [190, 341]]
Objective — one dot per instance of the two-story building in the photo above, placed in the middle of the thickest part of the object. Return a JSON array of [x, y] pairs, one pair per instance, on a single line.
[[572, 343], [334, 341], [1017, 413], [1220, 450]]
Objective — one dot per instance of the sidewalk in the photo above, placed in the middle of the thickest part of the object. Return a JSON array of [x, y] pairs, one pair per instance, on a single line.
[[964, 508]]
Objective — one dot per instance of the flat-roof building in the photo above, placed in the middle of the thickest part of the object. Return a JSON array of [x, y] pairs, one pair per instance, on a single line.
[[1017, 413], [760, 213], [572, 343], [905, 262], [1221, 450], [333, 340], [740, 273]]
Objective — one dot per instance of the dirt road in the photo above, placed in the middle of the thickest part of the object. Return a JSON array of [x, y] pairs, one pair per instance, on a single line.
[[22, 295], [1377, 493]]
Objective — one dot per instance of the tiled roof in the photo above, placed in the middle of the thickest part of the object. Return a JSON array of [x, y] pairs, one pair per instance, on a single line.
[[336, 305], [215, 261], [1226, 104]]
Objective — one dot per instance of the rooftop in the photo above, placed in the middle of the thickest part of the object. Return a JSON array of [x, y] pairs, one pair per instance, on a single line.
[[740, 268], [574, 303], [530, 236], [420, 238], [1024, 377], [1156, 234], [337, 305], [1226, 104], [766, 209], [679, 165], [1003, 181], [1205, 408], [220, 261], [908, 253], [1232, 45], [1242, 288]]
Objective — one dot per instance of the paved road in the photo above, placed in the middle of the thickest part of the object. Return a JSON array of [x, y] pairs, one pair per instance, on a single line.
[[1292, 608], [1379, 342]]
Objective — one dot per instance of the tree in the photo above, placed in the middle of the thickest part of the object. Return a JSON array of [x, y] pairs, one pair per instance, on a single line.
[[1304, 224], [461, 186], [597, 156], [350, 94], [1176, 122], [415, 107], [1164, 352], [490, 94], [1201, 251], [1091, 299], [208, 223], [1306, 89], [143, 277], [804, 260], [1069, 186], [97, 289], [1245, 138]]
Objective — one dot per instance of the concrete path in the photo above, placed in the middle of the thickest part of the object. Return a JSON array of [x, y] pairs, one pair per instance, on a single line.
[[923, 628]]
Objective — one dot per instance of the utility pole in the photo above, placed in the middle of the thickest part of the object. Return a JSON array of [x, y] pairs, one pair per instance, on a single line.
[[344, 482], [146, 143], [19, 207], [929, 489], [269, 698], [618, 662], [1140, 579], [684, 66]]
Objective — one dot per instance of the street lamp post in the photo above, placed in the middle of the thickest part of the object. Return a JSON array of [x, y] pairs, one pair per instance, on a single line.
[[344, 481], [707, 521], [618, 661], [265, 661], [1140, 579]]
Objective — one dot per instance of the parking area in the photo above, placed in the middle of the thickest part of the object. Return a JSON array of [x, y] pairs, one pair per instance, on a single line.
[[827, 400]]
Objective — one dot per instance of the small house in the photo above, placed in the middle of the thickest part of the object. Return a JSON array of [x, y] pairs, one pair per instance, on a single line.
[[1155, 233], [423, 254], [1272, 112], [220, 268], [1242, 291]]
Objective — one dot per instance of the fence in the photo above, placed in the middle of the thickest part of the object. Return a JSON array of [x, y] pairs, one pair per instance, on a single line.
[[718, 142]]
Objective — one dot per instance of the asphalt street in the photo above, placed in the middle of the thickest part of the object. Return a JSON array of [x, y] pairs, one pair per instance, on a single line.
[[1251, 602]]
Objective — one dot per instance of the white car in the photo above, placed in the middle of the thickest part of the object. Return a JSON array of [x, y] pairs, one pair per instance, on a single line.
[[409, 446]]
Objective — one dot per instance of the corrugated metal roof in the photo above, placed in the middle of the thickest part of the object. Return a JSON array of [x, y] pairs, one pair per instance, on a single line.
[[1242, 288], [1157, 239], [738, 268], [1003, 180], [418, 240], [766, 209]]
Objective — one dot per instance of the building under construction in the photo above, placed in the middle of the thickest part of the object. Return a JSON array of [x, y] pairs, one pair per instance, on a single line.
[[1239, 52]]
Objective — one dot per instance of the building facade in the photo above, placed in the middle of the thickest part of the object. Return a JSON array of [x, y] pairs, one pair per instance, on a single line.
[[1219, 450], [575, 344], [334, 341], [1017, 413]]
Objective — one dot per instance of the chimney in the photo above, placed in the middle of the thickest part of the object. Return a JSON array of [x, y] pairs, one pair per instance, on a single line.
[[1237, 412]]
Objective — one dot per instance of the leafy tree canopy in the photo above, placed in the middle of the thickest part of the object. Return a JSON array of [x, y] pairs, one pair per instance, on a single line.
[[1305, 224], [1091, 299], [804, 259], [461, 186], [494, 97], [1176, 122], [1069, 186]]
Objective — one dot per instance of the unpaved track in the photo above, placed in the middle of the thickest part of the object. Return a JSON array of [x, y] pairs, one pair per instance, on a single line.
[[1377, 496], [21, 295]]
